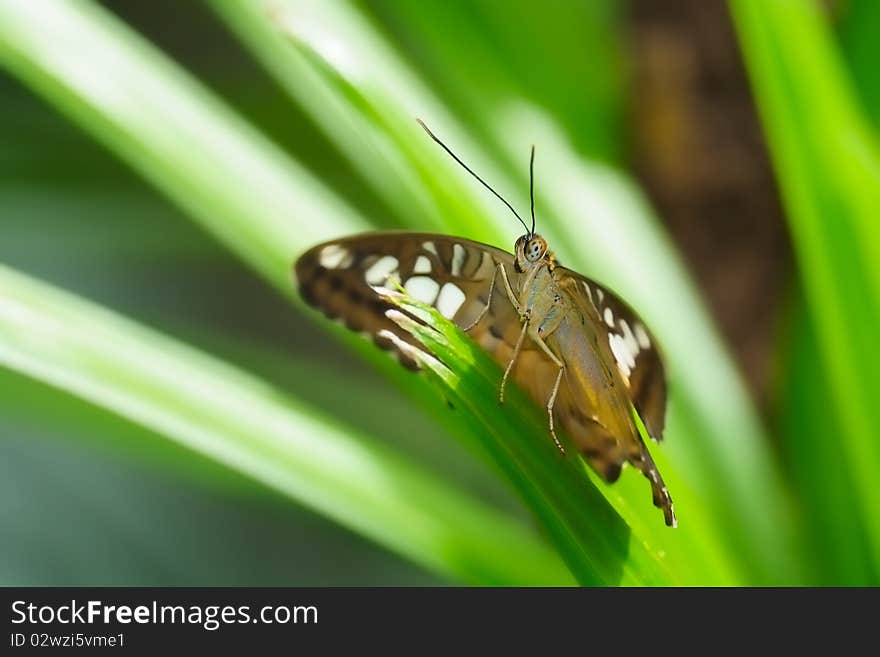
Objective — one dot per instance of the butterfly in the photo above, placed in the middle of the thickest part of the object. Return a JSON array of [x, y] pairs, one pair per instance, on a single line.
[[574, 346]]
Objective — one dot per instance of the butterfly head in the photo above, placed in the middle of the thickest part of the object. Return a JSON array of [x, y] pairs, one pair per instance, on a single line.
[[530, 250]]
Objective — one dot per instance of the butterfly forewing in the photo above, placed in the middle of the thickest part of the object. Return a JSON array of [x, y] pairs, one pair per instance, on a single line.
[[610, 360], [453, 275]]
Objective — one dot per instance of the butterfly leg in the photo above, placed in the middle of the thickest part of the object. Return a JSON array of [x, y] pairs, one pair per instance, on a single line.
[[510, 295], [516, 350], [485, 309], [525, 316], [550, 404], [551, 401]]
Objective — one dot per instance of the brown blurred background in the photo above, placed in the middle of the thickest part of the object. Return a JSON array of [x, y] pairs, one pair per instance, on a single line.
[[698, 151]]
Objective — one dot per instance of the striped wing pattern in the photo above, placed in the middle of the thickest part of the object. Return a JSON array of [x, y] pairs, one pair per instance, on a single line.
[[453, 275], [610, 358]]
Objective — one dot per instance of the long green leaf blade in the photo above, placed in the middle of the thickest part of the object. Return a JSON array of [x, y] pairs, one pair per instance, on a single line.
[[238, 420], [167, 126], [829, 169]]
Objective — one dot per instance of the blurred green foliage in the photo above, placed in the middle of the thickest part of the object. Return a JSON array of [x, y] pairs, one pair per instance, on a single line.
[[275, 124], [828, 166]]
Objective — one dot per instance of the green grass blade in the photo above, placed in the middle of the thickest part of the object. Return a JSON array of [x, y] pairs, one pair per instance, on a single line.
[[237, 420], [574, 65], [172, 130], [380, 139], [826, 492], [828, 166], [858, 31]]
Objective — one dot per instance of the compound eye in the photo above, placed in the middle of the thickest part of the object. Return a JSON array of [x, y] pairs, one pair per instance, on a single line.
[[535, 248]]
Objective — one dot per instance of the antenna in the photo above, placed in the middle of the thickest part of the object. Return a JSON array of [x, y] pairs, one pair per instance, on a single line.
[[532, 187], [470, 171]]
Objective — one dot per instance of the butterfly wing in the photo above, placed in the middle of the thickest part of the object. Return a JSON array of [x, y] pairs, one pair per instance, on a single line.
[[454, 275], [632, 346], [609, 370]]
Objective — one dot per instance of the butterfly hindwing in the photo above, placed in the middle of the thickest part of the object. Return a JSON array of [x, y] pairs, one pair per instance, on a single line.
[[633, 348], [602, 383]]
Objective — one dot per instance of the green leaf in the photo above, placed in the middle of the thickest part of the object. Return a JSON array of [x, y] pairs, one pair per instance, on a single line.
[[858, 36], [828, 167], [826, 492], [239, 421], [167, 126], [574, 65]]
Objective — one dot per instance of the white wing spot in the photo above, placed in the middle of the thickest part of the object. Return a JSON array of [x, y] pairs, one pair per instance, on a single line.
[[621, 355], [629, 339], [600, 294], [422, 288], [609, 317], [450, 300], [380, 270], [334, 256], [458, 255], [423, 265], [430, 248], [589, 292], [642, 336]]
